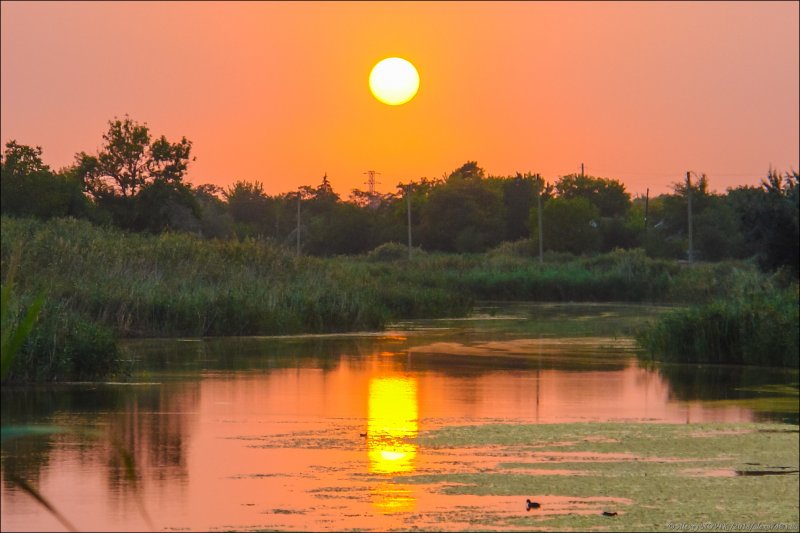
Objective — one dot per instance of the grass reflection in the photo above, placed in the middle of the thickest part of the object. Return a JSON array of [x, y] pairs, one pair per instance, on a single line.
[[392, 420]]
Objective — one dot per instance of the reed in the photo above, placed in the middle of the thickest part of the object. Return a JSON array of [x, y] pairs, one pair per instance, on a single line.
[[106, 283], [752, 326]]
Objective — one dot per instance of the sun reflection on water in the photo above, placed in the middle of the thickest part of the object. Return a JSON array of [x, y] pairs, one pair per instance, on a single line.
[[392, 420]]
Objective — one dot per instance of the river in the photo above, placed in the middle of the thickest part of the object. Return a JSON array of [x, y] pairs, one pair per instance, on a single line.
[[315, 432]]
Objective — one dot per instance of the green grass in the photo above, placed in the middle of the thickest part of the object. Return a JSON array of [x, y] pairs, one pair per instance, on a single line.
[[103, 283], [756, 326]]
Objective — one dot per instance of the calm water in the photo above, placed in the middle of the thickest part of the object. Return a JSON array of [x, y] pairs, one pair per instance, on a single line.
[[307, 432]]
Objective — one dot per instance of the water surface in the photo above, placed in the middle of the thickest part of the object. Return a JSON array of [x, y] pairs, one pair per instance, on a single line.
[[315, 432]]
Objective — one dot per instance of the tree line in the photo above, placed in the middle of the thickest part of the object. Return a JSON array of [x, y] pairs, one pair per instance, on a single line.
[[137, 182]]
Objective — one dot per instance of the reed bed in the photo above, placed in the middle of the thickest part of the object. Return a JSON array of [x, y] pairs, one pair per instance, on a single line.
[[759, 326], [102, 283]]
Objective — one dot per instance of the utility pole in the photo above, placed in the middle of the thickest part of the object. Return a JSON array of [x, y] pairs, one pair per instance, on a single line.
[[298, 223], [646, 202], [539, 213], [581, 170], [689, 201], [408, 211]]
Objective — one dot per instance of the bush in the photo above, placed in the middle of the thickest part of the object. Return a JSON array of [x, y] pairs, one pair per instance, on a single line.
[[390, 251], [520, 248]]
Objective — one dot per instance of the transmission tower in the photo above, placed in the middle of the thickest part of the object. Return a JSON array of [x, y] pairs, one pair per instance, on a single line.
[[371, 181]]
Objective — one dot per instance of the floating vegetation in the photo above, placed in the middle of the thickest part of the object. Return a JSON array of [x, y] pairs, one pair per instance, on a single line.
[[660, 474]]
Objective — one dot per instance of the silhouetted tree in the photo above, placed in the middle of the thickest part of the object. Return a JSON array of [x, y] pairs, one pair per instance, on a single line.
[[570, 225], [29, 188], [128, 162], [519, 197], [161, 205], [468, 171], [464, 214], [249, 207], [607, 194], [215, 220], [769, 220]]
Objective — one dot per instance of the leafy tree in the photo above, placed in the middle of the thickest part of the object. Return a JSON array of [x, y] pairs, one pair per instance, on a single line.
[[607, 194], [673, 223], [322, 197], [717, 234], [249, 208], [130, 159], [519, 197], [343, 228], [659, 238], [468, 171], [30, 188], [615, 232], [161, 206], [21, 160], [570, 225], [331, 226], [384, 216], [129, 162], [215, 220], [464, 214], [769, 220]]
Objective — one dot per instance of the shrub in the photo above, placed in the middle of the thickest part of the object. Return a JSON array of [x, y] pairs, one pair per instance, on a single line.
[[390, 251]]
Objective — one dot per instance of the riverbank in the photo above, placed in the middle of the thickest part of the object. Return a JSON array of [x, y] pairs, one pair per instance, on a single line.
[[101, 283]]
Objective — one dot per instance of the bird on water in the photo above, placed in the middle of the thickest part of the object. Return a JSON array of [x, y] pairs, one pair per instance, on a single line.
[[532, 505]]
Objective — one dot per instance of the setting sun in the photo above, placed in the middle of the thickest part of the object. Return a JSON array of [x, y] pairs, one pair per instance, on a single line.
[[394, 81]]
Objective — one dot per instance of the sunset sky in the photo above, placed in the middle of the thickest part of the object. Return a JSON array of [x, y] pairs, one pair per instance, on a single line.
[[278, 92]]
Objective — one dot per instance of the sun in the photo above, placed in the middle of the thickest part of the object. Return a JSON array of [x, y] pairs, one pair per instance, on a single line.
[[394, 81]]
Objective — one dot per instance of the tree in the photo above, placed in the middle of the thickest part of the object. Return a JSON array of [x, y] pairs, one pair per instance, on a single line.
[[30, 188], [607, 194], [570, 225], [249, 206], [342, 228], [215, 220], [468, 171], [464, 214], [129, 162], [519, 197], [162, 206], [769, 220]]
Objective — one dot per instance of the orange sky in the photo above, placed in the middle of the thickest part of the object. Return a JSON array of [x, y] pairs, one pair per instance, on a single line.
[[277, 92]]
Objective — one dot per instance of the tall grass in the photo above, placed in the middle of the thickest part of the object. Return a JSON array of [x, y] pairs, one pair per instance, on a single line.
[[752, 326], [621, 275], [101, 283], [16, 324], [177, 284]]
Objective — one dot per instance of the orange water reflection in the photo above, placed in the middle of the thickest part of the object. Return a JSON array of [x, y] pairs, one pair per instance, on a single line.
[[392, 419], [268, 435]]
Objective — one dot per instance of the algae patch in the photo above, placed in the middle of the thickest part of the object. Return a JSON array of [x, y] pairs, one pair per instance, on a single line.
[[656, 474]]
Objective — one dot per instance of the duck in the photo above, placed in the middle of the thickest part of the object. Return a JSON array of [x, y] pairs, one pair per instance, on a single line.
[[532, 505]]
